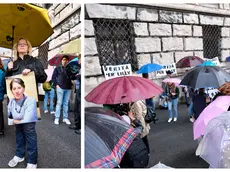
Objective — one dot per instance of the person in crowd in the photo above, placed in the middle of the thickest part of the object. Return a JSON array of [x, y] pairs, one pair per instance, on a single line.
[[49, 89], [63, 85], [137, 155], [172, 93], [149, 102], [165, 85], [23, 63], [186, 97], [139, 110], [191, 92], [200, 102], [2, 93], [23, 111], [77, 106]]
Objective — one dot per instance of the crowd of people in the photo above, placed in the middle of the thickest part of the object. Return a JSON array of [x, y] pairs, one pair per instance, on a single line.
[[23, 109]]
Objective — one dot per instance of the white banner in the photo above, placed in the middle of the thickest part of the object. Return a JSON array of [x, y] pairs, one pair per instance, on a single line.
[[214, 60], [117, 71], [212, 92], [162, 72]]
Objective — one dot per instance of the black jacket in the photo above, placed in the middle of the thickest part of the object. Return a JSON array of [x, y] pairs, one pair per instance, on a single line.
[[199, 104], [31, 63], [61, 78]]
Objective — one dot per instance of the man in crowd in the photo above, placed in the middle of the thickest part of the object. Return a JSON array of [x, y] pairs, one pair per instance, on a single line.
[[63, 86]]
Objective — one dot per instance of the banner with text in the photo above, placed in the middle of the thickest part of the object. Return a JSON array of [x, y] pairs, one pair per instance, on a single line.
[[162, 72], [113, 71]]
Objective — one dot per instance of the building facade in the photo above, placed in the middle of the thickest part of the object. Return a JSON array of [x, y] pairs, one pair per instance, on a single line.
[[159, 33], [65, 20]]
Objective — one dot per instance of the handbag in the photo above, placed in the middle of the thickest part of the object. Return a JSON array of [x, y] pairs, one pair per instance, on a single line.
[[150, 114]]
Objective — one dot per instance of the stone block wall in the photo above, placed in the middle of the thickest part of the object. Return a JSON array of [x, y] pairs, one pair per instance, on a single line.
[[162, 35]]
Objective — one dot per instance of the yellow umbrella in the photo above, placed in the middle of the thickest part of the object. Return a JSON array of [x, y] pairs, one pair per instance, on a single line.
[[72, 47], [23, 20]]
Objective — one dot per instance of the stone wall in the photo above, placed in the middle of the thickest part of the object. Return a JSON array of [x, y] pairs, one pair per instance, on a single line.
[[161, 35]]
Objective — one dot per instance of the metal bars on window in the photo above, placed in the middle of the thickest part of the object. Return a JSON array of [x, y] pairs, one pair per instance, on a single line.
[[115, 42]]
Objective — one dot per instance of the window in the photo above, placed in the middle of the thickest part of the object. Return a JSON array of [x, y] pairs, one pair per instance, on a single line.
[[43, 54], [115, 42], [211, 41]]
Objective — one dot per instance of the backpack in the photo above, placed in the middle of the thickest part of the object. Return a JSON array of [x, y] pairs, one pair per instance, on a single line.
[[150, 114], [46, 86]]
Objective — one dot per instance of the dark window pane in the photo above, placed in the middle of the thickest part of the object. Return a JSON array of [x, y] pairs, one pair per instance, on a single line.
[[115, 42], [211, 41]]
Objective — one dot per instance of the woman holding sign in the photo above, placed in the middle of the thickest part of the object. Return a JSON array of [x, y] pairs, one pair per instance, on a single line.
[[23, 112], [24, 63]]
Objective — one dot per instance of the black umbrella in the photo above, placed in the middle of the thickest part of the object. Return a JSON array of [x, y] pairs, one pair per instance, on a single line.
[[205, 76], [107, 138]]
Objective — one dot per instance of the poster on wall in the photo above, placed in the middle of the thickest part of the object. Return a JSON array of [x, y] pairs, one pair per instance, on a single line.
[[30, 91], [166, 67], [114, 71]]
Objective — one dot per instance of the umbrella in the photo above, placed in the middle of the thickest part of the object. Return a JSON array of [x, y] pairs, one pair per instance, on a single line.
[[148, 68], [205, 76], [176, 81], [107, 138], [207, 63], [72, 47], [228, 59], [23, 20], [56, 60], [189, 61], [123, 90], [214, 148], [217, 107], [73, 68]]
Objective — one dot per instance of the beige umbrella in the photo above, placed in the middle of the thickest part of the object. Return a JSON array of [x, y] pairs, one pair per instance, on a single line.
[[73, 47]]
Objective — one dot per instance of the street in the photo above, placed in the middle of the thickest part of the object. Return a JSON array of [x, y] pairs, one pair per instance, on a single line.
[[172, 143], [58, 146]]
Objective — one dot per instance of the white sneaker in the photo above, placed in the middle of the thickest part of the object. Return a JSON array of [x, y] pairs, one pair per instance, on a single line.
[[46, 111], [170, 119], [175, 119], [56, 121], [31, 165], [66, 121], [13, 162], [192, 119], [52, 112]]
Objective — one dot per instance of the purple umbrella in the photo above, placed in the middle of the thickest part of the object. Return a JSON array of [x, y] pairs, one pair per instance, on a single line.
[[214, 148], [214, 109]]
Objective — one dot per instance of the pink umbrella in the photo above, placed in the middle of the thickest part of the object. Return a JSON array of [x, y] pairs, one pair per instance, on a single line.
[[176, 81], [217, 107], [49, 73]]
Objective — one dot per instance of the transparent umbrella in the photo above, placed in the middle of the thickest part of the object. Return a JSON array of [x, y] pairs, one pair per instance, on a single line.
[[215, 145]]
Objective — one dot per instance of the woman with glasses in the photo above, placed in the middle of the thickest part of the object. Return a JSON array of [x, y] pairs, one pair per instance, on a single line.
[[24, 63], [23, 112]]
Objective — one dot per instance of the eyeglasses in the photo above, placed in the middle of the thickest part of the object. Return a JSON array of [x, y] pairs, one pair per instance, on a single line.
[[22, 44]]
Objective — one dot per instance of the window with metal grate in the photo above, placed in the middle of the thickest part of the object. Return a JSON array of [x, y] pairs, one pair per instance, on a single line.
[[211, 41], [43, 54], [115, 42]]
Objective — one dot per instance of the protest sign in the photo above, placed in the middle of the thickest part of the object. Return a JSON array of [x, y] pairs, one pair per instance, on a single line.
[[162, 72], [113, 71], [30, 89]]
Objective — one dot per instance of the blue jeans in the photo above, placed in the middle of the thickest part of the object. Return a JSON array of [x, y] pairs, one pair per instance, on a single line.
[[49, 94], [63, 96], [174, 103], [150, 102], [26, 137], [190, 109]]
